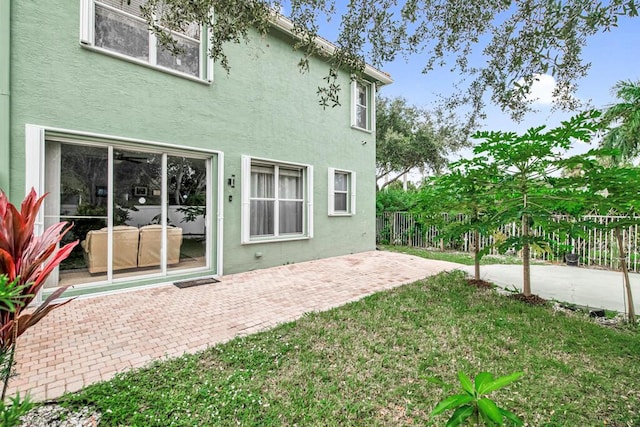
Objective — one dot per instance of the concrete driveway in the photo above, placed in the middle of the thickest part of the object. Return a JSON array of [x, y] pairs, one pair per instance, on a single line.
[[577, 285]]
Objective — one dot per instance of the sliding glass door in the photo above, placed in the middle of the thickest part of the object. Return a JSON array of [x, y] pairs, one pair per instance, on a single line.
[[186, 203], [137, 212]]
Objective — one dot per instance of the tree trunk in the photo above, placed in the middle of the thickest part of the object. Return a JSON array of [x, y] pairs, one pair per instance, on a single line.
[[625, 273], [526, 268], [476, 254], [392, 180]]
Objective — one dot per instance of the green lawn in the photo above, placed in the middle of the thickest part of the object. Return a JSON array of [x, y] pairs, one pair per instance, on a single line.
[[459, 257], [363, 364]]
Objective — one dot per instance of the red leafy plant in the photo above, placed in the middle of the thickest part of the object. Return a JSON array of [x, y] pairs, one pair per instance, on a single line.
[[28, 259]]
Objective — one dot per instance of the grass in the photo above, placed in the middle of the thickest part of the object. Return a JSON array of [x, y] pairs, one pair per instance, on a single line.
[[365, 363], [459, 257]]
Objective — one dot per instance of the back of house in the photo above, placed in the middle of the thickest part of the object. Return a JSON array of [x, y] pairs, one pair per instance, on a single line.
[[170, 168]]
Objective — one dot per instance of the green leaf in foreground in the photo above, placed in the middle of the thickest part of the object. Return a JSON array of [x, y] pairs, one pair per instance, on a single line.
[[473, 404], [460, 415], [452, 402]]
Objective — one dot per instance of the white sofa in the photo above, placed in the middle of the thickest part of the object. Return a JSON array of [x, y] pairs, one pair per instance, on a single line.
[[132, 247], [125, 248], [151, 243]]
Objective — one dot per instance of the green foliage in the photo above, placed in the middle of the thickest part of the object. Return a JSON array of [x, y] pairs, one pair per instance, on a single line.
[[624, 120], [465, 195], [511, 178], [11, 297], [12, 293], [497, 48], [394, 200], [196, 207], [472, 405], [610, 190], [524, 188], [10, 413], [408, 137]]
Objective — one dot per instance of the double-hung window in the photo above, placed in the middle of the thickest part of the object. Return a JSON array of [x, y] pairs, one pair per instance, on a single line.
[[362, 105], [342, 192], [276, 200], [117, 28]]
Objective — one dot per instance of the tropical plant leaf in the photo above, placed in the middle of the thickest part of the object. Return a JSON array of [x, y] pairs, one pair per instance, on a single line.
[[489, 410], [7, 265], [482, 380], [466, 383], [29, 260], [511, 417], [56, 259], [451, 402], [460, 415], [501, 382]]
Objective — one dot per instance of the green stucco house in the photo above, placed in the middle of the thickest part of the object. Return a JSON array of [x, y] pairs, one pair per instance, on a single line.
[[170, 168]]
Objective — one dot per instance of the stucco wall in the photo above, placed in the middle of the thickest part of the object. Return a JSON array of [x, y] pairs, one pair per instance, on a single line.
[[265, 108]]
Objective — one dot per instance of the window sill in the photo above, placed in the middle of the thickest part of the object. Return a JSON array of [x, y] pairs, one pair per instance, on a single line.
[[361, 129], [145, 64], [341, 214], [276, 239]]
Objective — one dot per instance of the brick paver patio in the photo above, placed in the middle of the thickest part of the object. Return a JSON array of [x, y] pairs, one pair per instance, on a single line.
[[92, 339]]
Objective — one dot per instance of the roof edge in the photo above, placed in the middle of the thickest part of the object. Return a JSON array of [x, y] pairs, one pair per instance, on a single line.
[[286, 25]]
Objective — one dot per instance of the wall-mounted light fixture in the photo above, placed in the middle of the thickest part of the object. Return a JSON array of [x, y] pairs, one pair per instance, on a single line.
[[232, 181]]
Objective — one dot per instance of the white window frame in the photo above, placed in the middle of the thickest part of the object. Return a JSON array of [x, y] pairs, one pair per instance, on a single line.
[[370, 88], [87, 40], [351, 192], [307, 220], [35, 139]]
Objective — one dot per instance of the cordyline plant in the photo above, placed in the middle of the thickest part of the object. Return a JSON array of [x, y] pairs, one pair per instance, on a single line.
[[28, 260], [10, 412]]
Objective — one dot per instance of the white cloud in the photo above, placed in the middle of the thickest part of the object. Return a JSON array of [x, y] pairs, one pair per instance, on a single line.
[[541, 91]]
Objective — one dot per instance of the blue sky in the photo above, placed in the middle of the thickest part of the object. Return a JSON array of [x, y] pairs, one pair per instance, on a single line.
[[613, 55]]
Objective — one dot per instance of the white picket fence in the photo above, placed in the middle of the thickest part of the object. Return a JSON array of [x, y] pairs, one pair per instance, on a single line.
[[596, 248]]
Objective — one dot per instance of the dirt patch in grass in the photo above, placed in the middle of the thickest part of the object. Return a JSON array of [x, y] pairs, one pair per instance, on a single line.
[[529, 299], [479, 283]]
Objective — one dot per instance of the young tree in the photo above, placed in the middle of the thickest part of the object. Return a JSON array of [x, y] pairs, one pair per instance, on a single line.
[[465, 196], [515, 41], [408, 137], [523, 165], [624, 116], [612, 191]]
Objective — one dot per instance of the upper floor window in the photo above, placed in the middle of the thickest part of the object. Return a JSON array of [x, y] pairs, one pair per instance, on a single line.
[[342, 192], [117, 27], [362, 109], [276, 200]]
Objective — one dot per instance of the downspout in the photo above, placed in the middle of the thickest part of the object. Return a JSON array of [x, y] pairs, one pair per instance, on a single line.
[[5, 104]]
